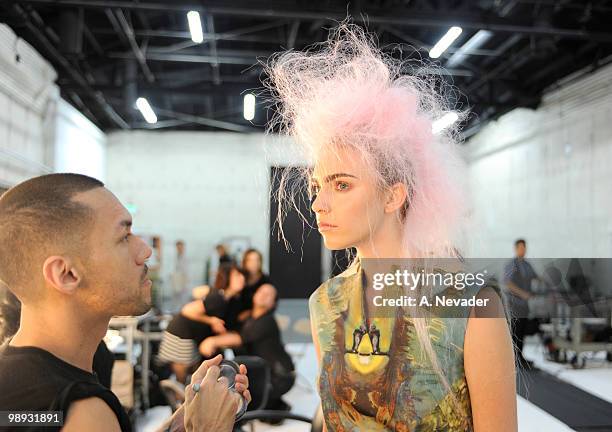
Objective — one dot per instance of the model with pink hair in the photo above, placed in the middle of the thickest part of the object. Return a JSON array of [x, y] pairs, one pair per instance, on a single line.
[[383, 183]]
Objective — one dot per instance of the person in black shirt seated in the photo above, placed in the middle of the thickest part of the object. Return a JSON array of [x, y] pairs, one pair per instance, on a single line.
[[252, 263], [69, 256], [216, 317], [261, 337]]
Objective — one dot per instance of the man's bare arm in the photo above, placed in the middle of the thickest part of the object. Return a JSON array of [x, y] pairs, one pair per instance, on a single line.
[[92, 415]]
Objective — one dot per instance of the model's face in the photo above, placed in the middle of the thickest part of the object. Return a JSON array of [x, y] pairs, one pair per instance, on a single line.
[[347, 203], [114, 273], [252, 263]]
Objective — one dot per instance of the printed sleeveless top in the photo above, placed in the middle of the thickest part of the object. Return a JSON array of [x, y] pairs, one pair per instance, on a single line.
[[374, 374]]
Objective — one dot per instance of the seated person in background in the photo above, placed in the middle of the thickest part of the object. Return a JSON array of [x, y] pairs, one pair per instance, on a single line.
[[252, 262], [216, 314], [261, 337]]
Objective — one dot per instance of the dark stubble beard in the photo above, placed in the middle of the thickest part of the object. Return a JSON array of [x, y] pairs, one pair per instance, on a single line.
[[137, 304], [143, 304]]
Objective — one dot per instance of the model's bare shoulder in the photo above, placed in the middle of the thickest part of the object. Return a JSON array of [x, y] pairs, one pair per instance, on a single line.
[[492, 304], [489, 369]]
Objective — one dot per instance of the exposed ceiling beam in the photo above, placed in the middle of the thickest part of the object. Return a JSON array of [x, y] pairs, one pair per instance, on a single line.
[[126, 28], [213, 51], [422, 46], [48, 49], [194, 92], [162, 124], [293, 31], [92, 40], [252, 60], [400, 18], [176, 34], [189, 58], [204, 121]]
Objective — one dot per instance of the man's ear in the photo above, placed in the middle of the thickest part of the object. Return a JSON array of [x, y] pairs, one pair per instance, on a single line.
[[396, 197], [61, 273]]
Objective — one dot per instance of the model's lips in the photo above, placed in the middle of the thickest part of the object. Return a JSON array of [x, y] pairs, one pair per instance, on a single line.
[[323, 226]]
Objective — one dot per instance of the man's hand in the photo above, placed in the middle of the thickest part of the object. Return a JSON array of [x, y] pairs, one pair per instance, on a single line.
[[213, 408], [242, 384]]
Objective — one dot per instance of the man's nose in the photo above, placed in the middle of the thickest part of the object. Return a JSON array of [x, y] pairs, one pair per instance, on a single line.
[[145, 251]]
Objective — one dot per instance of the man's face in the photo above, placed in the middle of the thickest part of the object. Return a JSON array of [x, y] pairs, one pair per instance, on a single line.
[[520, 250], [114, 270]]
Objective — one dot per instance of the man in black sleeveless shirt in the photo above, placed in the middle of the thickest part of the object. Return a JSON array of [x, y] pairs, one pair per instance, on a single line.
[[69, 256]]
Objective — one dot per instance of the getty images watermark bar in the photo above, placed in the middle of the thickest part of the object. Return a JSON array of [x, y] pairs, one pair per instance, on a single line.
[[31, 418], [548, 288]]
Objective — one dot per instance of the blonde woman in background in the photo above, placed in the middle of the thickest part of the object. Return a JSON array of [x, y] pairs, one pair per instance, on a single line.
[[385, 185]]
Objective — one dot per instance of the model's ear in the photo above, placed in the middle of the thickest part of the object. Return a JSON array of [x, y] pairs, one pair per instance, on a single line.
[[61, 273], [396, 197]]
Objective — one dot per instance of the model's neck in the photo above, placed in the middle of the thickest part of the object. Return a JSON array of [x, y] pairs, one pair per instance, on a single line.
[[63, 330], [386, 242]]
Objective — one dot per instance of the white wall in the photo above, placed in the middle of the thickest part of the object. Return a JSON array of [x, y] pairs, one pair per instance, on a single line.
[[196, 186], [27, 96], [80, 147], [39, 132], [545, 175]]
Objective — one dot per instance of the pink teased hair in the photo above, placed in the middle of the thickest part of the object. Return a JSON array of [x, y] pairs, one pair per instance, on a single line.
[[346, 91]]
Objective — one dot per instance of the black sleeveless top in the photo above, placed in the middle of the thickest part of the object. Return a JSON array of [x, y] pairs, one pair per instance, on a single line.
[[32, 379]]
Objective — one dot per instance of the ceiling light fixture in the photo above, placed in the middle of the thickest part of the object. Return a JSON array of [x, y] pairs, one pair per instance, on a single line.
[[249, 106], [445, 121], [145, 109], [195, 26], [450, 36]]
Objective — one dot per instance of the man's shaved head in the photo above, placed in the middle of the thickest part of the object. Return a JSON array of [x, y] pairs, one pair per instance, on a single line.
[[39, 218]]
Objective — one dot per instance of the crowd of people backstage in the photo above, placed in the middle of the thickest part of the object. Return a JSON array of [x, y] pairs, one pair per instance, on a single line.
[[237, 312]]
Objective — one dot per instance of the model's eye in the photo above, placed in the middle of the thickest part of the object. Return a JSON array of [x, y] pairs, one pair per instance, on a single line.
[[342, 186]]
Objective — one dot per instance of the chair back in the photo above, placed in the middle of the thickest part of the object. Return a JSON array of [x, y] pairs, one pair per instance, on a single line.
[[259, 380]]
